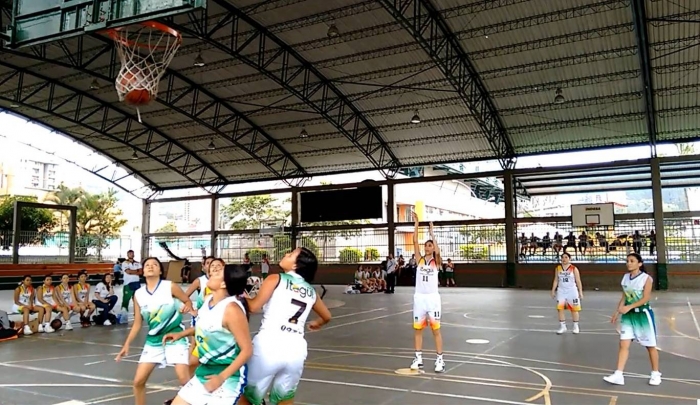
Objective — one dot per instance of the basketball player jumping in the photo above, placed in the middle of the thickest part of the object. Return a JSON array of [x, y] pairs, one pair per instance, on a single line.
[[427, 304]]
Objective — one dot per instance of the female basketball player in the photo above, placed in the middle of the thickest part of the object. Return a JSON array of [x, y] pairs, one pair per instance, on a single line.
[[63, 296], [279, 348], [636, 319], [161, 304], [81, 297], [427, 304], [200, 285], [224, 341], [45, 298], [568, 291], [24, 304]]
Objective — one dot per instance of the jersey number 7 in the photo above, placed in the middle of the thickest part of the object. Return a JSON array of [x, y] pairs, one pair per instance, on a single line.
[[302, 307]]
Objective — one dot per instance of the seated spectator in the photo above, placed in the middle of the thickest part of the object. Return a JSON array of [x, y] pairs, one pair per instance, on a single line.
[[45, 298], [24, 304], [378, 279], [117, 270], [8, 329], [359, 274], [104, 299], [81, 297], [63, 297]]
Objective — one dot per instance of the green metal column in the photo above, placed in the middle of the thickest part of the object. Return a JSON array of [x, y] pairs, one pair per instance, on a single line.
[[295, 218], [145, 228], [390, 220], [661, 281], [511, 247], [214, 225]]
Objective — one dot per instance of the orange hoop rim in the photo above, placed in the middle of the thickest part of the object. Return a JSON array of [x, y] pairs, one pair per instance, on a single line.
[[591, 225], [114, 34]]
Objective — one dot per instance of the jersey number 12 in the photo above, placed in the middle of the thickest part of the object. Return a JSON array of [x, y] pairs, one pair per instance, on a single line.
[[302, 307]]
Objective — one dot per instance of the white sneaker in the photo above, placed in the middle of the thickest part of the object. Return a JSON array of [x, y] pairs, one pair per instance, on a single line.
[[562, 329], [417, 364], [107, 323], [68, 326], [616, 378], [576, 329], [27, 330], [439, 365], [48, 329], [41, 329], [655, 378]]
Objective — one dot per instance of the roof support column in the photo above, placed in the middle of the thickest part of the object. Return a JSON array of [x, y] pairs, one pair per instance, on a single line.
[[390, 217], [661, 279], [145, 228], [511, 244], [295, 218], [639, 15], [214, 225]]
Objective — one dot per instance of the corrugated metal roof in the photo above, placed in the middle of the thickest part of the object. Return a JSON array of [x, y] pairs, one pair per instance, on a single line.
[[522, 50]]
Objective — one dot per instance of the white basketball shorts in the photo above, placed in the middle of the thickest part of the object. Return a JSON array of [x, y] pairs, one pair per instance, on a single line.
[[568, 299], [177, 353], [427, 310], [194, 392]]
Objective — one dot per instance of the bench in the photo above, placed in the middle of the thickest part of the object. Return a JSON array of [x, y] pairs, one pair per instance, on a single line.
[[11, 274]]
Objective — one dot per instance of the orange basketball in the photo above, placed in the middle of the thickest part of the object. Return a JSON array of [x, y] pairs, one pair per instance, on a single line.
[[137, 97]]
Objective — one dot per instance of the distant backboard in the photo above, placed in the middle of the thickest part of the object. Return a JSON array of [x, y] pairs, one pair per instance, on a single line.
[[39, 21], [583, 215]]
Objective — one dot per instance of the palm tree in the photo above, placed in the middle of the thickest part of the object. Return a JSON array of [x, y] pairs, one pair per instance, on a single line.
[[64, 195]]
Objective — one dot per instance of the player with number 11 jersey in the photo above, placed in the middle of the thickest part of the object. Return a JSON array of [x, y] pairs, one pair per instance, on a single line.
[[279, 348]]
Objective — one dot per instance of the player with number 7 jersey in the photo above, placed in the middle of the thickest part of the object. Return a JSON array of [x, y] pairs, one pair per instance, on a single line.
[[279, 348]]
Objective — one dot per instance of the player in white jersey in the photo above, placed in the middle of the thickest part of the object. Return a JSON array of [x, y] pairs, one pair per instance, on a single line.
[[427, 304], [45, 297], [279, 348], [223, 339], [63, 296], [160, 303], [568, 291], [636, 319], [200, 285], [24, 304]]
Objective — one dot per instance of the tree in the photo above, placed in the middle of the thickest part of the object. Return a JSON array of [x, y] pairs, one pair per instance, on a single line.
[[484, 234], [99, 218], [251, 212], [37, 221], [169, 227]]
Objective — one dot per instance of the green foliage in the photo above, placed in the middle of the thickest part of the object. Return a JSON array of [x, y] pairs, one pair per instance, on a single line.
[[350, 255], [283, 244], [371, 254], [169, 227], [473, 252], [99, 218], [252, 211], [256, 254], [484, 234], [34, 220]]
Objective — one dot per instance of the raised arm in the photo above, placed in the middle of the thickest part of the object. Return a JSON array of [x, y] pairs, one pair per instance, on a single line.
[[416, 246], [432, 237], [266, 289], [177, 292], [192, 288]]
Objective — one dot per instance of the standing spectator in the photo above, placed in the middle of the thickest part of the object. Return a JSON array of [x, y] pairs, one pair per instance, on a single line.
[[652, 242], [132, 279], [637, 242], [570, 242], [265, 266], [390, 274], [117, 270], [602, 241], [449, 273]]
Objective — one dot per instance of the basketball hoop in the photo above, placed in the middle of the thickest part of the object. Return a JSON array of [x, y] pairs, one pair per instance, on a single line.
[[145, 51], [591, 225]]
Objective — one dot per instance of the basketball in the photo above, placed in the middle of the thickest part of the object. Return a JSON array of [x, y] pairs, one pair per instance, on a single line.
[[137, 97], [56, 324]]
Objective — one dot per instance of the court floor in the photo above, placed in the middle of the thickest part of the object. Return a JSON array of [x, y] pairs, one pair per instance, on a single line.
[[359, 357]]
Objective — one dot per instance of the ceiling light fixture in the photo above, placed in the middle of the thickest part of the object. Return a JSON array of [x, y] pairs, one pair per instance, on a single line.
[[303, 133], [559, 98], [199, 61], [134, 156], [333, 31], [94, 85], [211, 145], [416, 118]]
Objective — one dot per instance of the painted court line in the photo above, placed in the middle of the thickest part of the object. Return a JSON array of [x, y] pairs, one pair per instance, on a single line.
[[358, 313], [437, 394], [362, 320], [695, 319], [72, 402]]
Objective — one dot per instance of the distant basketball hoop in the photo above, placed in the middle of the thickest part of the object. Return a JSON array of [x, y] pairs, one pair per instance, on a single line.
[[145, 51]]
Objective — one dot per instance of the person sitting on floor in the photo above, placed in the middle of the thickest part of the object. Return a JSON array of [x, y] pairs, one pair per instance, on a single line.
[[9, 330], [105, 299], [378, 279], [24, 304]]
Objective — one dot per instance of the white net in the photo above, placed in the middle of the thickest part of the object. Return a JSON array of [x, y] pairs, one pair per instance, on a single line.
[[145, 51]]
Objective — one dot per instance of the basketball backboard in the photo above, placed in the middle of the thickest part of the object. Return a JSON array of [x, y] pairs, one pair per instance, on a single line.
[[584, 215], [38, 21]]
